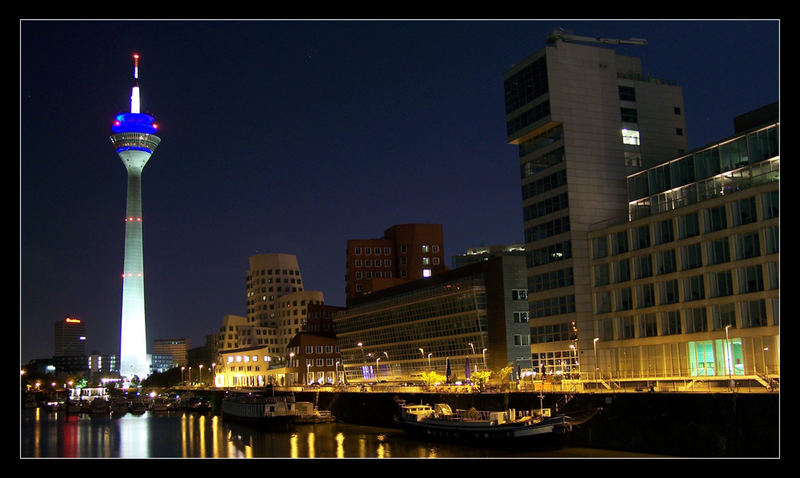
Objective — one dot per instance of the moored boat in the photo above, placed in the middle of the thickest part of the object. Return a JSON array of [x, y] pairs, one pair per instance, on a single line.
[[99, 406], [307, 413], [137, 407], [260, 409], [119, 406], [486, 428]]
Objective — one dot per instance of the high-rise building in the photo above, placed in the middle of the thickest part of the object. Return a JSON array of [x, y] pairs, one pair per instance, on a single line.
[[135, 140], [69, 338], [583, 118], [405, 252]]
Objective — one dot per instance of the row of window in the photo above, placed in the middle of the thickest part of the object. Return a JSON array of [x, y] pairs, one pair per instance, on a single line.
[[387, 251], [552, 306], [542, 185], [717, 251], [544, 207], [553, 333], [743, 151], [701, 319], [744, 280], [328, 349], [547, 229], [368, 250], [741, 212]]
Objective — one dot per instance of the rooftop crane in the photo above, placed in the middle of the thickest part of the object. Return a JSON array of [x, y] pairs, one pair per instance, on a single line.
[[560, 35]]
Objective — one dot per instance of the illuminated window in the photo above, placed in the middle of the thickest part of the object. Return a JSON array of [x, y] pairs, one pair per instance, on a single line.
[[630, 136], [426, 272]]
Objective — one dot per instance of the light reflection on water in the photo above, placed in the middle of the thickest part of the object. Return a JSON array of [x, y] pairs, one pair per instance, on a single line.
[[189, 435]]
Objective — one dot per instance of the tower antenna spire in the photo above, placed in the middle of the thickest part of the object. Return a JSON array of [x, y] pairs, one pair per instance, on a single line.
[[135, 98]]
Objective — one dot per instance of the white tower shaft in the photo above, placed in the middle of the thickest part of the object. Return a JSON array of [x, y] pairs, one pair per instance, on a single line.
[[135, 141]]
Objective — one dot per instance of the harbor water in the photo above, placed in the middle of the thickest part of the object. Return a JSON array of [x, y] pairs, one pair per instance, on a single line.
[[182, 434]]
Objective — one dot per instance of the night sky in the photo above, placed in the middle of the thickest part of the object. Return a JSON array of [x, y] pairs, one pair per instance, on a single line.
[[293, 137]]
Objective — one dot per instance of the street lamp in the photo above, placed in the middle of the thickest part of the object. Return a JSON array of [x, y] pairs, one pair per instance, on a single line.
[[472, 347], [483, 352], [594, 345], [201, 375], [729, 356], [182, 378], [429, 361], [291, 365], [377, 368], [308, 367]]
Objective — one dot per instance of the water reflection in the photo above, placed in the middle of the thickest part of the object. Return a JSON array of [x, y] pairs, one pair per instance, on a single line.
[[191, 435]]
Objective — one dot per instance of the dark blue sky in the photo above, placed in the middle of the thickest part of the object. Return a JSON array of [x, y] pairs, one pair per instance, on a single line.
[[293, 137]]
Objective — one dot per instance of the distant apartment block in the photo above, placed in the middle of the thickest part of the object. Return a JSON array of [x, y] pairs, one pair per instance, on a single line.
[[405, 252]]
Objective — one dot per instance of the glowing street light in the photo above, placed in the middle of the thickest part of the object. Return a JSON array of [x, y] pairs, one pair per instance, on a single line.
[[729, 356], [594, 345]]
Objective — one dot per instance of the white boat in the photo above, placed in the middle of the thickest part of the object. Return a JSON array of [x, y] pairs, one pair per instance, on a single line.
[[485, 427]]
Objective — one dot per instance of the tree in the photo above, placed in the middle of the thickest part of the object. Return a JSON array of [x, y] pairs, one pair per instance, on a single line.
[[481, 377], [432, 378], [504, 374]]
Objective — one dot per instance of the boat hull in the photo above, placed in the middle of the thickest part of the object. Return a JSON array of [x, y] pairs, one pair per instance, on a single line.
[[548, 434], [269, 414]]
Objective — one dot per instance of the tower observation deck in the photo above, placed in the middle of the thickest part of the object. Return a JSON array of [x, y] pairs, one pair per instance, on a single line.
[[135, 140]]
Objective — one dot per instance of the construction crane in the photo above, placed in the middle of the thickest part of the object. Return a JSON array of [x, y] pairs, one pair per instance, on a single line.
[[560, 35]]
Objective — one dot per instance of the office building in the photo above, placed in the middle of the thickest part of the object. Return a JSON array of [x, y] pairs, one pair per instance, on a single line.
[[314, 358], [583, 118], [686, 292], [405, 252], [69, 338], [175, 348], [474, 317]]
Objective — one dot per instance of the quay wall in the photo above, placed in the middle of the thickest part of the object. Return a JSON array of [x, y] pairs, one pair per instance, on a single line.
[[669, 424], [672, 424]]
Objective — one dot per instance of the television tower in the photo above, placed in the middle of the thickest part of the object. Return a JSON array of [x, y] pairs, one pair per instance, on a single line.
[[135, 140]]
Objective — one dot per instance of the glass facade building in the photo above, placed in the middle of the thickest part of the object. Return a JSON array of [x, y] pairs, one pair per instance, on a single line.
[[688, 288], [474, 317]]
